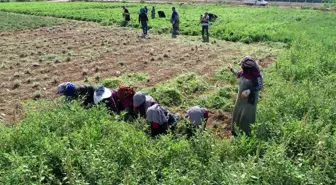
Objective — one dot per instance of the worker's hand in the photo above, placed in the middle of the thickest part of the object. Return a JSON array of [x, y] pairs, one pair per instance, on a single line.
[[230, 67], [245, 93]]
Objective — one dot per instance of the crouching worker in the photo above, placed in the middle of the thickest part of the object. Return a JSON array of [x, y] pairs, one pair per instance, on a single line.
[[109, 98], [198, 117], [73, 92], [125, 95], [142, 102], [160, 119]]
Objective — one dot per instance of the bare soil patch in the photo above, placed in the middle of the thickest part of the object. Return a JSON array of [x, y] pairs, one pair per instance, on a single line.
[[35, 61]]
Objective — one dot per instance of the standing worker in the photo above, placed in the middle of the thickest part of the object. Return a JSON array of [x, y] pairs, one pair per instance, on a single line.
[[205, 26], [143, 19], [126, 15], [175, 22], [153, 12], [250, 83]]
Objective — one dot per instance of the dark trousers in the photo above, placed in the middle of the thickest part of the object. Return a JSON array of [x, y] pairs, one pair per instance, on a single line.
[[206, 30], [175, 29], [144, 28]]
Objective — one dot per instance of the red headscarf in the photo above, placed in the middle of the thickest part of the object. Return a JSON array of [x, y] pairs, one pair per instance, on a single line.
[[125, 94]]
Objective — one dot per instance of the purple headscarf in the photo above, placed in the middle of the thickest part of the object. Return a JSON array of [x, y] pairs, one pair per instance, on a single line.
[[250, 68]]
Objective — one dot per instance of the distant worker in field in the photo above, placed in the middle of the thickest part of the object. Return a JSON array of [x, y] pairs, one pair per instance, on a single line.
[[142, 102], [205, 26], [160, 119], [146, 9], [126, 15], [109, 98], [143, 20], [175, 22], [198, 118], [72, 92], [153, 12], [250, 83]]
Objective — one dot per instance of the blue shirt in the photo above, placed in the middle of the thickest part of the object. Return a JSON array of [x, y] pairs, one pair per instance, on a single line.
[[174, 17]]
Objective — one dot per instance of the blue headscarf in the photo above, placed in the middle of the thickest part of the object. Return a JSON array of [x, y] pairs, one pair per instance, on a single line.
[[142, 10], [70, 90]]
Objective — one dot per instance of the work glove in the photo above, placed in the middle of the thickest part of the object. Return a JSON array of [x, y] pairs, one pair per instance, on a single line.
[[246, 93]]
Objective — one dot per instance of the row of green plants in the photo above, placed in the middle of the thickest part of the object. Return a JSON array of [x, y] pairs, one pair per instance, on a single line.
[[293, 141], [10, 21]]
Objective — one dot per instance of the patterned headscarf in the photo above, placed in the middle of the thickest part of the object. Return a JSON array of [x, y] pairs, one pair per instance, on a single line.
[[250, 68], [248, 61], [125, 94]]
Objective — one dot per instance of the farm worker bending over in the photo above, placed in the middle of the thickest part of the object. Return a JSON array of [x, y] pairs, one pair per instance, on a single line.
[[126, 15], [250, 83], [153, 12], [73, 92], [198, 117], [142, 102], [160, 119], [205, 26], [175, 22], [109, 97], [143, 19], [125, 95]]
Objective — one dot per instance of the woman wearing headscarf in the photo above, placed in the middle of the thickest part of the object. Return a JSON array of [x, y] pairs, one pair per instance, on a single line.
[[198, 117], [142, 102], [125, 95], [74, 92], [109, 97], [160, 119], [250, 83]]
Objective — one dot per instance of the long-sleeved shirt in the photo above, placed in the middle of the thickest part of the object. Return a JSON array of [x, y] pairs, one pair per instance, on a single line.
[[126, 15], [143, 19], [205, 20], [174, 17]]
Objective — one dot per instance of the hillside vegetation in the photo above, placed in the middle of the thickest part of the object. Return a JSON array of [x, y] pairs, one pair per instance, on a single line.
[[293, 141]]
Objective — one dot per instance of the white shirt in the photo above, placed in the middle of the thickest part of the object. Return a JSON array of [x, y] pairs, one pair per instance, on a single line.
[[206, 20]]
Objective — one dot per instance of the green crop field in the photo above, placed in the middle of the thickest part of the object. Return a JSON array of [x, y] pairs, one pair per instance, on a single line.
[[265, 24], [293, 140], [9, 21]]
